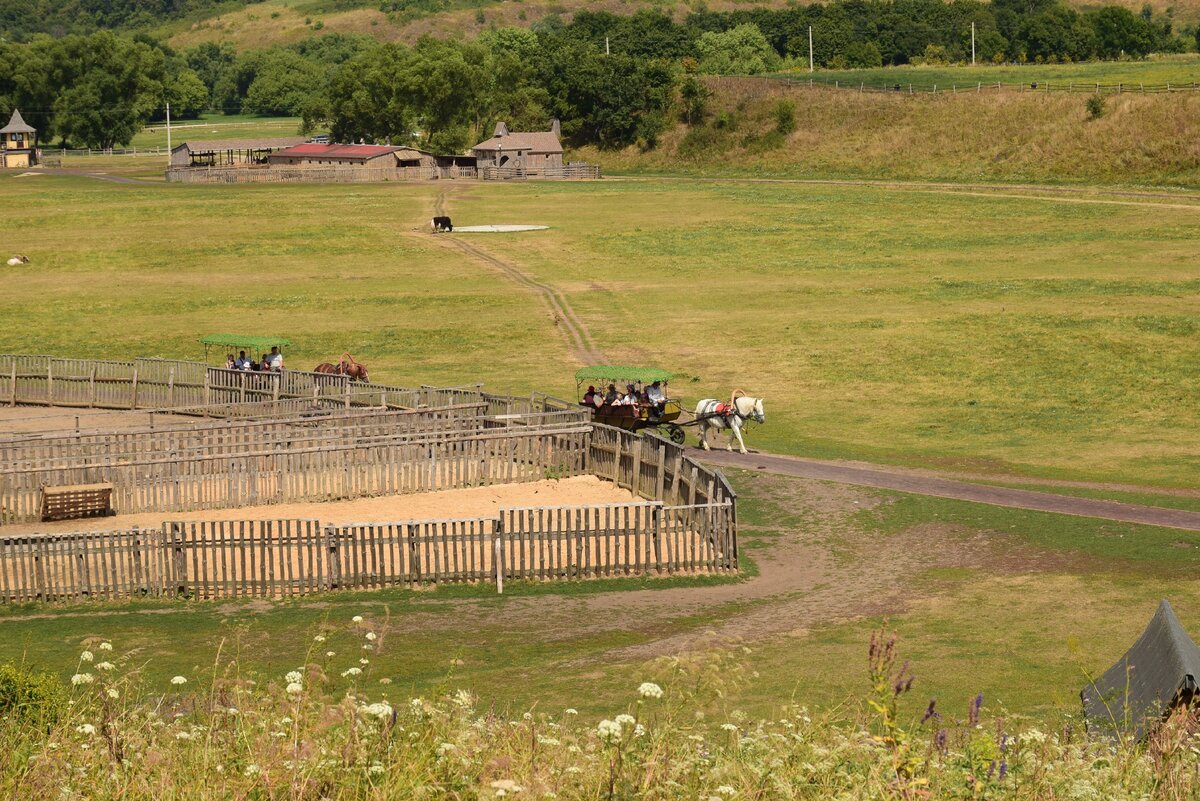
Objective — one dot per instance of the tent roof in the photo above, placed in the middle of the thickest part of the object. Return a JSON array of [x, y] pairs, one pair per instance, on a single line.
[[17, 124], [646, 375], [1140, 689], [244, 341]]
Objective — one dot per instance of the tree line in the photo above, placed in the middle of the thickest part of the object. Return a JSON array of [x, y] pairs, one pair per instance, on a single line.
[[611, 79]]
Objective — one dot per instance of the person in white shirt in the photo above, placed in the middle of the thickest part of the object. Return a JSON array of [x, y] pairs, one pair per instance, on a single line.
[[242, 362], [657, 397], [276, 359]]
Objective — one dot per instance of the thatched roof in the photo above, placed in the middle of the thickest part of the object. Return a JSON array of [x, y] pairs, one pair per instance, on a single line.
[[17, 125]]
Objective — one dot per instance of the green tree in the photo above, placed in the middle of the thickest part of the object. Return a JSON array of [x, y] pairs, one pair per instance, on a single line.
[[284, 83], [1121, 32], [742, 50], [110, 88]]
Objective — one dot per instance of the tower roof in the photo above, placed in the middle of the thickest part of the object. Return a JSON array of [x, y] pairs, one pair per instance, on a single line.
[[17, 125]]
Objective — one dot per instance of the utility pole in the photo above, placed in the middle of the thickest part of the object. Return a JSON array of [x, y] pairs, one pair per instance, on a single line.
[[810, 52], [168, 131], [972, 44]]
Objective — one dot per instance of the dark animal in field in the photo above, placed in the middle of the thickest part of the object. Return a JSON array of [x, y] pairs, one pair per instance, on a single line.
[[16, 261], [441, 224], [346, 366]]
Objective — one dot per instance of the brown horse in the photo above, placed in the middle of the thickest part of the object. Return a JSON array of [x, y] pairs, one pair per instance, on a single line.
[[346, 366]]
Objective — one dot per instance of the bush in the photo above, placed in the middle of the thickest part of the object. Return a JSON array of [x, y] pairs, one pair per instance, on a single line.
[[1095, 106], [785, 116], [693, 99], [29, 697]]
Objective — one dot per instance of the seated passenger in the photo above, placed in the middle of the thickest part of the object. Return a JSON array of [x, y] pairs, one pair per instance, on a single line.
[[230, 364], [242, 363], [265, 364], [657, 397], [611, 397], [589, 397]]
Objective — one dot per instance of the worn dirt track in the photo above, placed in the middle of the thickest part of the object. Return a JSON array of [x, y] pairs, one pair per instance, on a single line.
[[901, 480]]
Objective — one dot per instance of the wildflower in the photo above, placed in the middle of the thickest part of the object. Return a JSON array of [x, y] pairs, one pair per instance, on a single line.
[[639, 730], [179, 680], [285, 721], [725, 789], [376, 768], [82, 678], [356, 619], [609, 731], [572, 711], [183, 735], [331, 654], [319, 638], [506, 786], [86, 728], [463, 698], [231, 711], [253, 770], [649, 689], [112, 693], [106, 646], [105, 666], [86, 656], [368, 647], [445, 748], [293, 677], [729, 727], [542, 740], [385, 680], [364, 661], [295, 688], [380, 709], [626, 720], [370, 635], [354, 671]]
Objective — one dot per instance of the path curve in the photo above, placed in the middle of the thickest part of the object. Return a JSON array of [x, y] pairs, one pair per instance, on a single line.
[[911, 481]]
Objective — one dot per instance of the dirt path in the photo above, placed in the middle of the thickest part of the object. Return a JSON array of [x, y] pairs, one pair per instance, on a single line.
[[897, 478], [582, 345], [101, 176]]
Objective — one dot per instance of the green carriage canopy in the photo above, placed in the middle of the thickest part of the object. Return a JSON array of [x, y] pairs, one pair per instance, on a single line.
[[1158, 673], [244, 341], [644, 375]]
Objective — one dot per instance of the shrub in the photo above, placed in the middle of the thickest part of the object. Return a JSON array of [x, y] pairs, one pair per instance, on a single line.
[[1095, 106], [693, 99], [785, 116], [30, 697]]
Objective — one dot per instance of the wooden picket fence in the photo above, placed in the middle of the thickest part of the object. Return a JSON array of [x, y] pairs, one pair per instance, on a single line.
[[287, 557]]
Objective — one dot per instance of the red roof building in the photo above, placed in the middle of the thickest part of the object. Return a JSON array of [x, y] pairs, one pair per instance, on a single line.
[[315, 154]]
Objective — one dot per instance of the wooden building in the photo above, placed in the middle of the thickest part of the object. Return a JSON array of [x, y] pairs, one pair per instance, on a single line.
[[18, 143], [230, 152], [528, 152]]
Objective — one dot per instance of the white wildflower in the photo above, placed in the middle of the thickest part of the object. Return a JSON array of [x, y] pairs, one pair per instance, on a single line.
[[725, 789], [376, 768], [445, 748], [319, 638], [179, 680], [649, 689], [331, 654], [106, 646], [385, 680], [543, 740], [572, 711], [295, 688], [105, 666], [380, 709], [729, 727], [609, 731], [370, 635], [626, 720], [294, 677], [354, 671], [183, 735], [253, 770], [233, 710], [86, 728], [86, 656], [82, 678], [356, 619], [639, 730], [364, 661], [464, 699], [506, 786], [112, 693]]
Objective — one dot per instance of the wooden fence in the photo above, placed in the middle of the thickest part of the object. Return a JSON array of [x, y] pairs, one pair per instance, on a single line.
[[276, 558]]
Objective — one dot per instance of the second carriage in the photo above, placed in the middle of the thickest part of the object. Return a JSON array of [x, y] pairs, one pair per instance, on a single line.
[[639, 416]]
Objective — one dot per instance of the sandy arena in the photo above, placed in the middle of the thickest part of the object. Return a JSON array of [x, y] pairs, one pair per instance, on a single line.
[[59, 419], [458, 503]]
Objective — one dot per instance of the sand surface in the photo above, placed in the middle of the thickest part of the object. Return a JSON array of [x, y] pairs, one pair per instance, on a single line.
[[473, 502], [32, 420]]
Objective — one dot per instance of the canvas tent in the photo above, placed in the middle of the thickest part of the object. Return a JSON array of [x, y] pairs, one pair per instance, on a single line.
[[1154, 676]]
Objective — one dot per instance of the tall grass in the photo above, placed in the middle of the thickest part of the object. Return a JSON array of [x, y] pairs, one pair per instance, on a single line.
[[304, 735]]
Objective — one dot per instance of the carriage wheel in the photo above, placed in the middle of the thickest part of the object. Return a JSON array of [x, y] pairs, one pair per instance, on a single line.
[[676, 433]]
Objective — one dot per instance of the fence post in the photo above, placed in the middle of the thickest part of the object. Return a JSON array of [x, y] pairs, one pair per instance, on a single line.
[[171, 387], [133, 389], [12, 400], [92, 388], [50, 381], [207, 390], [179, 558], [335, 557], [498, 557]]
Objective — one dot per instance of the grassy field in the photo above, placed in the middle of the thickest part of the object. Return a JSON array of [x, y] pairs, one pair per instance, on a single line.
[[997, 333], [217, 126], [1182, 69], [1013, 604]]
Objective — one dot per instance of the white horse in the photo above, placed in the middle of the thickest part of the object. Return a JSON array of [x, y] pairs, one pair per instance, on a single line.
[[741, 409]]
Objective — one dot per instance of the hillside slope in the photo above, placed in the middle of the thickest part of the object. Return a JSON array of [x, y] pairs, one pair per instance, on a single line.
[[1009, 137]]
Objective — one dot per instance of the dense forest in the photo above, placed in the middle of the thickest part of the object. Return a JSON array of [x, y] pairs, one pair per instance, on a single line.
[[611, 79]]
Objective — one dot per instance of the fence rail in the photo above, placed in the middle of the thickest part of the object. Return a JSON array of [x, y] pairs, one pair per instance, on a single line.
[[287, 557], [760, 84]]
